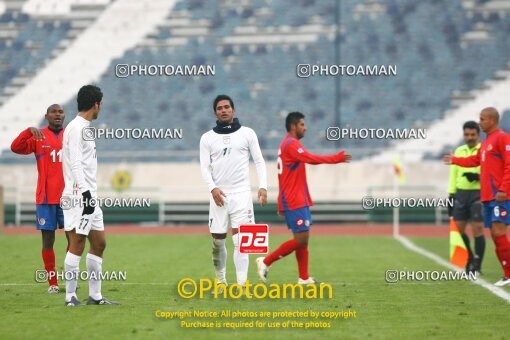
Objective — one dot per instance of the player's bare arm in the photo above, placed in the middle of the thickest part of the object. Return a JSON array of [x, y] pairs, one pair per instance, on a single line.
[[38, 135], [448, 159], [218, 195], [262, 195], [501, 196]]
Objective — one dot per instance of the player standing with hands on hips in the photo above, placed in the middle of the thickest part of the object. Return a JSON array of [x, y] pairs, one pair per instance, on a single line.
[[494, 161], [84, 220], [294, 199], [46, 144], [224, 159]]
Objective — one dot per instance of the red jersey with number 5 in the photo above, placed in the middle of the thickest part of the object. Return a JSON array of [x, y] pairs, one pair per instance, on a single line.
[[48, 153], [493, 157], [293, 188]]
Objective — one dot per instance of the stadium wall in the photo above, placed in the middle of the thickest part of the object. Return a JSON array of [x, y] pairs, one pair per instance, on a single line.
[[182, 182]]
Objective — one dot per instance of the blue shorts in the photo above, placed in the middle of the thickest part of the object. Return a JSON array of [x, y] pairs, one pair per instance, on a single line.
[[298, 219], [49, 217], [496, 212]]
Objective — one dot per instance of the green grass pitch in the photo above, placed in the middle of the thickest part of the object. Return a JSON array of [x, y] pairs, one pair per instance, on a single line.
[[355, 266]]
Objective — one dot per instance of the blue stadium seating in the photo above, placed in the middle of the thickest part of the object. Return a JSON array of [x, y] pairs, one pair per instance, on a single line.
[[44, 35], [423, 38]]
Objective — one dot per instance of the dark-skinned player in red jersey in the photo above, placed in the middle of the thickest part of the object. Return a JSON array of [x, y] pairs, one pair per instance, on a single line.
[[294, 199], [46, 145], [493, 157]]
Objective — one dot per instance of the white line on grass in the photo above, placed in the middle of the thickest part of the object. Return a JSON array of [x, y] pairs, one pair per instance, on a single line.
[[481, 282], [18, 284], [122, 283]]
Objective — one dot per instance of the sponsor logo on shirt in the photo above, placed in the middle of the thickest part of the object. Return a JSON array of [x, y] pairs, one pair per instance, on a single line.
[[300, 222], [489, 148], [226, 140], [45, 146], [507, 147], [300, 150]]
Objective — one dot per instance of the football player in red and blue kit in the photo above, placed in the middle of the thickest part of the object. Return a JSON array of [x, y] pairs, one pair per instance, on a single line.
[[46, 145], [493, 157], [294, 199]]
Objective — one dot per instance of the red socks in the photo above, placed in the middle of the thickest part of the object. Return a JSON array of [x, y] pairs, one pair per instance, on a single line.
[[302, 261], [503, 252], [283, 250], [48, 256]]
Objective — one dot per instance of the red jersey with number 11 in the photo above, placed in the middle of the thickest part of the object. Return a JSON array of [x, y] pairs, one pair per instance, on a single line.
[[48, 153], [293, 188]]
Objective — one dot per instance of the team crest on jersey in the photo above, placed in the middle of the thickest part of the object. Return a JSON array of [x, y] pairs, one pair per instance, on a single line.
[[226, 140], [42, 221], [489, 148], [300, 222]]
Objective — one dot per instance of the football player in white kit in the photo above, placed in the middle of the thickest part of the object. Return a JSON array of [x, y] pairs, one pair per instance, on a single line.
[[83, 220], [224, 159]]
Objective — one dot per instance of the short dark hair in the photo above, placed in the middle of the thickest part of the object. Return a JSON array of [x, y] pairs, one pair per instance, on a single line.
[[88, 96], [471, 125], [221, 97], [292, 119], [49, 107]]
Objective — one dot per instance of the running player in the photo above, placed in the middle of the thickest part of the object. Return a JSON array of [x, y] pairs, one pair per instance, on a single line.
[[84, 220], [294, 199], [46, 145], [224, 158], [464, 188], [494, 161]]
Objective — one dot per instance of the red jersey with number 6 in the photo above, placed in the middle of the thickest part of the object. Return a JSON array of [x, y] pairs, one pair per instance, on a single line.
[[48, 153], [494, 160], [293, 188]]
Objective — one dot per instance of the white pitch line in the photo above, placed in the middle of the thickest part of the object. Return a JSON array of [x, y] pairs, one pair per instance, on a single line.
[[18, 284], [148, 283], [122, 283], [481, 282]]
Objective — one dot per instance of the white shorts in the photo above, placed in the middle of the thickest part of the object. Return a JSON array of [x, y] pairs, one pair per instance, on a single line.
[[236, 210], [83, 224]]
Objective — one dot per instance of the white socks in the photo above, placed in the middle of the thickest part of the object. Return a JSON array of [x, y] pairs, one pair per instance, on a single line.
[[94, 269], [71, 267], [241, 261], [219, 257]]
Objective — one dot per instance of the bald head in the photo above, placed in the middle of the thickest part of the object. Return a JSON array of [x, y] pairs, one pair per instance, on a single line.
[[489, 119], [492, 113]]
